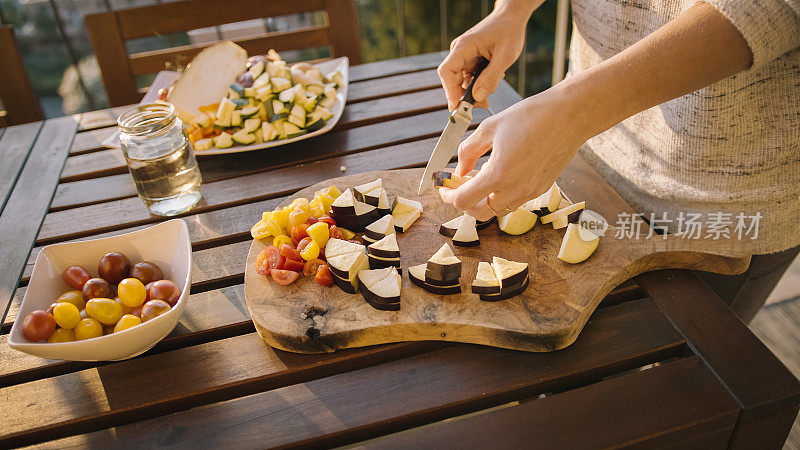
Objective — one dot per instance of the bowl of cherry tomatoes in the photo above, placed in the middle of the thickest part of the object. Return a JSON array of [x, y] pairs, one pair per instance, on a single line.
[[105, 299]]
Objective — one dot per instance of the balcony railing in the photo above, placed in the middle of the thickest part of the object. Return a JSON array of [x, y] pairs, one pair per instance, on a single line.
[[59, 57]]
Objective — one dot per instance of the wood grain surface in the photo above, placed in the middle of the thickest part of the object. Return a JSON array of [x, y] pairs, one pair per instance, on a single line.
[[549, 315]]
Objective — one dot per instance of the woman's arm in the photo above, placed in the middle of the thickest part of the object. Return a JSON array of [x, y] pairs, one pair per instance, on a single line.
[[533, 141]]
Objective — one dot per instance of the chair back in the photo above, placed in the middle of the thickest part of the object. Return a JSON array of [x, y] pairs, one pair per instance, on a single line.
[[16, 93], [109, 32]]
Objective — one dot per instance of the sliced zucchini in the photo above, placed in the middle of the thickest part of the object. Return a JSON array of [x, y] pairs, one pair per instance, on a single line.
[[249, 112], [316, 89], [322, 113], [251, 125], [238, 89], [242, 137], [277, 117], [224, 111], [280, 84], [240, 103], [311, 103], [292, 130], [299, 121], [257, 69], [203, 121], [220, 125], [236, 118], [327, 102], [278, 107], [262, 80], [315, 125], [315, 74], [268, 132], [224, 140], [203, 144], [287, 96], [298, 111], [249, 92], [278, 124], [335, 77]]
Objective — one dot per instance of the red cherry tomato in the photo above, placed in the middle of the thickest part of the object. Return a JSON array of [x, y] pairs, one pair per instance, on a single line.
[[262, 263], [311, 267], [294, 266], [323, 275], [311, 221], [38, 325], [76, 276], [303, 243], [284, 277], [334, 232], [322, 254], [274, 258], [298, 232], [328, 219], [289, 252], [165, 290]]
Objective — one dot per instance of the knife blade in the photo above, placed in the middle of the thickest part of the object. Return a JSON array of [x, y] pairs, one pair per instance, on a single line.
[[457, 125]]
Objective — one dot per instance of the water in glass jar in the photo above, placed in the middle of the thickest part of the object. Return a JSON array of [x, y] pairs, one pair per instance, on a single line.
[[168, 181]]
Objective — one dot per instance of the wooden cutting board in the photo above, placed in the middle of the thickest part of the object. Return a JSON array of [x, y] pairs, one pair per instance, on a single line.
[[308, 318]]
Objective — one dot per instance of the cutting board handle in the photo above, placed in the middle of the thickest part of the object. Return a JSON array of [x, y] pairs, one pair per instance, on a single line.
[[722, 256]]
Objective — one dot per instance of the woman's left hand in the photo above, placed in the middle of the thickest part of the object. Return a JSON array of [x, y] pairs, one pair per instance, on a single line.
[[531, 142]]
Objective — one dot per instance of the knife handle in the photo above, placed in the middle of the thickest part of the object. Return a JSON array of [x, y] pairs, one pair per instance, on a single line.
[[482, 63]]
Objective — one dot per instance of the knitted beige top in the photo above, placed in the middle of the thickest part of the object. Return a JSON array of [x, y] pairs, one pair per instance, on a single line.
[[728, 152]]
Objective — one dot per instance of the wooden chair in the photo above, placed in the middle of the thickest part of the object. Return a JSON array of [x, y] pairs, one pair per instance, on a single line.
[[16, 92], [109, 31]]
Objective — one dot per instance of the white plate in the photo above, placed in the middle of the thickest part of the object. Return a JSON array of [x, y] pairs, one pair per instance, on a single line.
[[166, 78], [166, 244]]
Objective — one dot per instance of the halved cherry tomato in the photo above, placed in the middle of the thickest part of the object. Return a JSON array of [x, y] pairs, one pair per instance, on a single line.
[[262, 263], [322, 254], [284, 277], [311, 221], [311, 267], [303, 243], [323, 275], [294, 266], [334, 232], [299, 232], [328, 219], [273, 256], [288, 252]]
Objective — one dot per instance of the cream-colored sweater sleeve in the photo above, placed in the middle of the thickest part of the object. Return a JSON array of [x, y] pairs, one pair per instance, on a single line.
[[770, 27]]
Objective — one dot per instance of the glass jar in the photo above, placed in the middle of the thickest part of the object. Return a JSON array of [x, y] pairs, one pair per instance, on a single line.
[[160, 158]]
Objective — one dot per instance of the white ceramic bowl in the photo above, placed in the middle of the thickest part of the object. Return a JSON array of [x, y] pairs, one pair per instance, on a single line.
[[166, 244]]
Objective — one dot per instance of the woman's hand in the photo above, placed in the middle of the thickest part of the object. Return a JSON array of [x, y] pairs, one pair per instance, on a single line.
[[531, 142], [498, 38]]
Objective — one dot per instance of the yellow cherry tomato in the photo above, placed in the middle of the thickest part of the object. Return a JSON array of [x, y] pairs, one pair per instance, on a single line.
[[282, 217], [316, 208], [74, 297], [282, 239], [131, 292], [260, 230], [274, 228], [61, 335], [326, 200], [104, 310], [319, 233], [297, 217], [127, 321], [311, 251], [333, 191], [87, 329], [125, 309], [67, 315], [299, 204]]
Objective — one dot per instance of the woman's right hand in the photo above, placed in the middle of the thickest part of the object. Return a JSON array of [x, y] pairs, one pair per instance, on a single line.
[[498, 38]]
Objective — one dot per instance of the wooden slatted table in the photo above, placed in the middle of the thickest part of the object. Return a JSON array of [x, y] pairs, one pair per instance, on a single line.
[[662, 362]]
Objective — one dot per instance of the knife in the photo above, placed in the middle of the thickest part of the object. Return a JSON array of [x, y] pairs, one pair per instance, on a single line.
[[457, 125]]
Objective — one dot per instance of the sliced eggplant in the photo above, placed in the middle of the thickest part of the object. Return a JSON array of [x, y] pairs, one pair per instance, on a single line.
[[505, 294], [448, 229], [361, 190], [373, 197], [443, 265], [380, 286], [384, 207], [336, 247], [574, 248], [366, 240], [380, 228], [380, 263], [403, 222], [546, 203], [385, 248], [485, 282], [571, 213], [467, 234], [342, 284], [417, 276], [347, 266], [448, 179], [509, 273], [402, 206], [344, 204], [481, 224], [518, 222]]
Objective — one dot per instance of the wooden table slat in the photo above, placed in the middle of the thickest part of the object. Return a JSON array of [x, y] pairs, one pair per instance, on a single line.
[[677, 401], [445, 382], [393, 67], [14, 150], [24, 210]]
